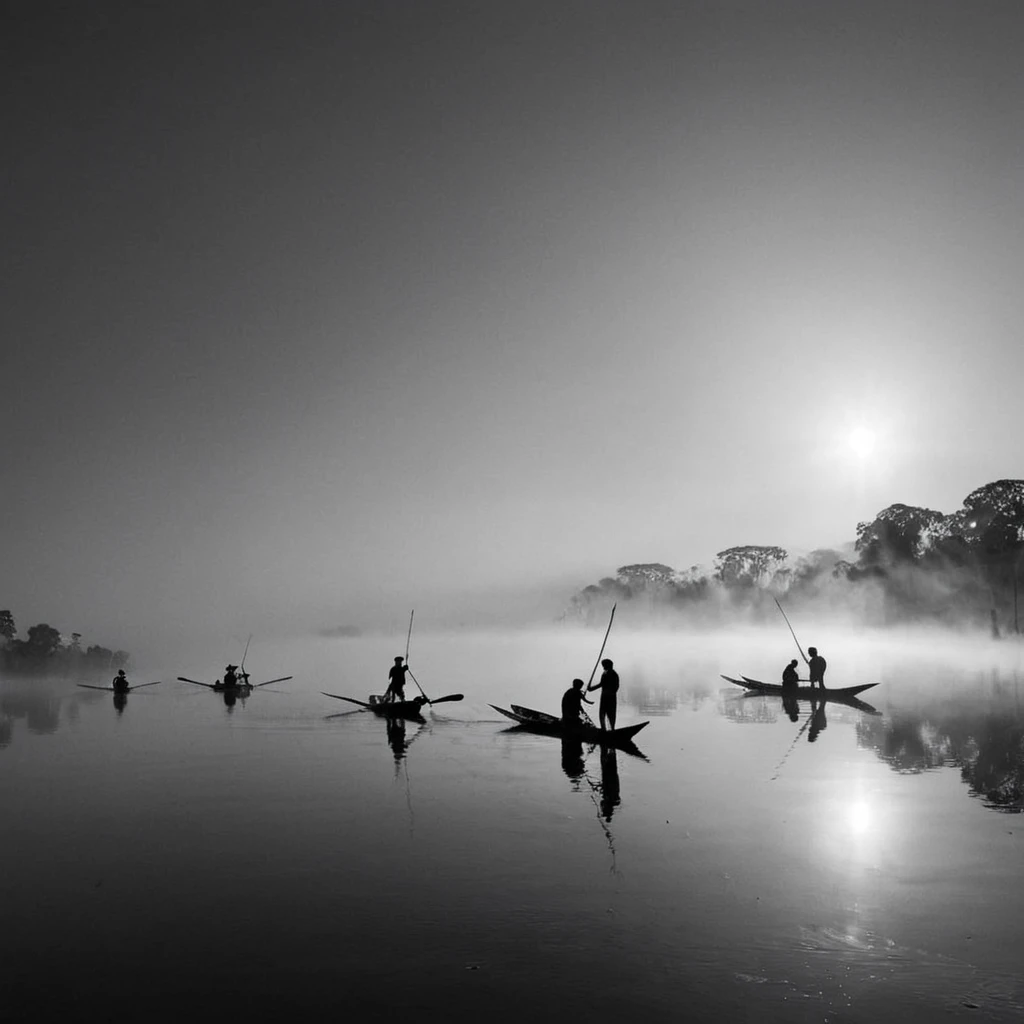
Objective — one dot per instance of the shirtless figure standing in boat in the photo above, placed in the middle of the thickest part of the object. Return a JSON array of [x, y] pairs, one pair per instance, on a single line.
[[609, 687], [816, 667]]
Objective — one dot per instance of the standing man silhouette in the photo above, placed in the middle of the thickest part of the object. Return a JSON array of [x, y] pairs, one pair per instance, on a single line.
[[609, 687], [816, 667]]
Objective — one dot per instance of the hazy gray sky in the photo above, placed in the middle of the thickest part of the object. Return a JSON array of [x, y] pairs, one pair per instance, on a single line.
[[315, 310]]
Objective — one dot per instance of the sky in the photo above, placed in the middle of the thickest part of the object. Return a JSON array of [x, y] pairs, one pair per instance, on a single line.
[[315, 312]]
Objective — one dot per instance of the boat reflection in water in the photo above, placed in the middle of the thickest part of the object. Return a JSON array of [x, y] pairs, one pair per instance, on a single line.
[[572, 758], [819, 723], [120, 702], [610, 798], [398, 740], [607, 793]]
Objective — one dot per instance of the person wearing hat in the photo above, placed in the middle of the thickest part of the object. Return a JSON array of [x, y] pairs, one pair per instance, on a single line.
[[609, 687], [816, 667], [230, 678], [396, 681], [120, 682]]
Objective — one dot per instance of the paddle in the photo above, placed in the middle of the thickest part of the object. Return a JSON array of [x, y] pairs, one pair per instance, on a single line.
[[788, 623], [443, 700], [141, 685], [351, 700], [256, 686], [185, 679]]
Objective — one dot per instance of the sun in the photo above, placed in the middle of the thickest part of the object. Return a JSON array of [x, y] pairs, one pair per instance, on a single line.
[[861, 442]]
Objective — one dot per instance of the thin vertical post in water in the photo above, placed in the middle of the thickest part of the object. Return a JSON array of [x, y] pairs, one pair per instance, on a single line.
[[603, 642]]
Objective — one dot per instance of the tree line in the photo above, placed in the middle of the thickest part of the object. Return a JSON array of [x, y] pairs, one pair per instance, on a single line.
[[907, 564], [45, 650]]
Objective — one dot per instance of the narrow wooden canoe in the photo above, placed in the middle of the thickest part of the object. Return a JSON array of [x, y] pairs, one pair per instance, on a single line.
[[540, 721], [111, 689], [800, 692], [242, 688], [388, 709], [396, 708]]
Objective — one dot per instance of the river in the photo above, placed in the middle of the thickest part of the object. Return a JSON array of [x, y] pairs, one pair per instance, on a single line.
[[175, 855]]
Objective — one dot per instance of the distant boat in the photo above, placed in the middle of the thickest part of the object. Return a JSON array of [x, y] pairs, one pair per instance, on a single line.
[[841, 695], [244, 688], [111, 689], [540, 721], [396, 708]]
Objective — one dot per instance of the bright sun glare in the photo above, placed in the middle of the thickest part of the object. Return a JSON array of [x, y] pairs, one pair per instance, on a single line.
[[859, 817], [862, 442]]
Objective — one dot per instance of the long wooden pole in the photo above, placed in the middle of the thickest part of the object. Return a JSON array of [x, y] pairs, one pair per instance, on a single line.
[[788, 623], [603, 642], [244, 653], [408, 640]]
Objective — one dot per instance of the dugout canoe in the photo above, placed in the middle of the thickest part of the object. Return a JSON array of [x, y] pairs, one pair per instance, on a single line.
[[396, 708], [540, 721], [800, 692], [111, 689]]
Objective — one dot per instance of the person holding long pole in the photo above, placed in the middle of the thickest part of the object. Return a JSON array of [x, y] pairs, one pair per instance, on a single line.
[[609, 687], [816, 664], [609, 684]]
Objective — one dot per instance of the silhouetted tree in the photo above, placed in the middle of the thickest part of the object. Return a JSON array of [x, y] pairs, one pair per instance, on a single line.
[[41, 643], [8, 631], [750, 565], [895, 536]]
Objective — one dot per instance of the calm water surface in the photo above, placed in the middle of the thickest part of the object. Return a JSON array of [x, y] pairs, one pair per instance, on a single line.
[[178, 856]]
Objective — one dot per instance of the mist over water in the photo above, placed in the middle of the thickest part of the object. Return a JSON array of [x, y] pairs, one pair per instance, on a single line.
[[842, 868]]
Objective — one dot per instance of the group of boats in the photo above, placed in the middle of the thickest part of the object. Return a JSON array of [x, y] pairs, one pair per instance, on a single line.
[[235, 685], [529, 719]]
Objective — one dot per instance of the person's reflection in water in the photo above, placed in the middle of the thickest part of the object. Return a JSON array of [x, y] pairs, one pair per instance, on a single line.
[[819, 723], [791, 706], [572, 758], [230, 696], [120, 701], [396, 737], [610, 798]]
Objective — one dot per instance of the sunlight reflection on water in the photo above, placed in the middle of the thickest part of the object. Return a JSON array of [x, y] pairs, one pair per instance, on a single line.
[[452, 860]]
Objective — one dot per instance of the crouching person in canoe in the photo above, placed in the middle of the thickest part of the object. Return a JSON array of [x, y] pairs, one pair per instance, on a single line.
[[790, 675], [396, 681], [572, 703], [609, 687], [119, 684]]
